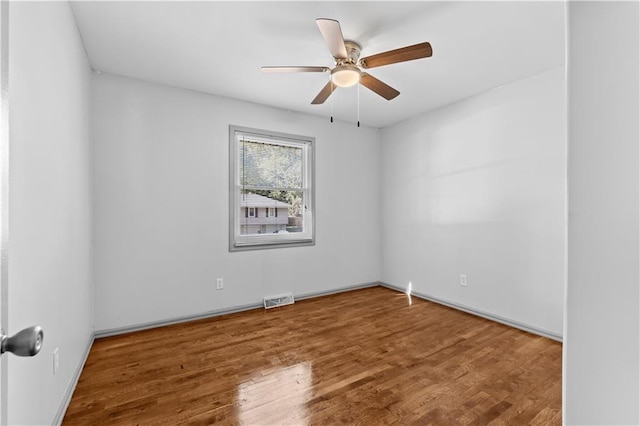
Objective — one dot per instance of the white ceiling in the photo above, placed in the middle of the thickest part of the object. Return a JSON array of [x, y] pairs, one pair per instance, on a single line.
[[219, 47]]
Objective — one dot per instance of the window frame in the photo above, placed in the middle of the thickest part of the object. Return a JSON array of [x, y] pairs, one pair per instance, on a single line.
[[238, 242]]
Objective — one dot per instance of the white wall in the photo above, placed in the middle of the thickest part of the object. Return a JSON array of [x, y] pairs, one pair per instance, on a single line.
[[49, 218], [478, 188], [161, 188], [602, 323]]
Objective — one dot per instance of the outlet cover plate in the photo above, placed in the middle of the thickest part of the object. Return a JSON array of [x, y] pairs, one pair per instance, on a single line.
[[463, 280]]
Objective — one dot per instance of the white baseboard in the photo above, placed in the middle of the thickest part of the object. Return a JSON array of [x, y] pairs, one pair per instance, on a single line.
[[210, 314], [66, 400], [507, 321], [176, 320], [336, 291]]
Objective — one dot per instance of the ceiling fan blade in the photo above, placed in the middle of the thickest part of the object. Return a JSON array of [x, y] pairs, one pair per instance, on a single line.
[[326, 91], [382, 89], [409, 53], [294, 69], [332, 34]]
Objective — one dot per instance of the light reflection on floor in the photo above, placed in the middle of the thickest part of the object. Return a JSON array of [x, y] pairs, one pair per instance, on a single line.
[[408, 292], [276, 396]]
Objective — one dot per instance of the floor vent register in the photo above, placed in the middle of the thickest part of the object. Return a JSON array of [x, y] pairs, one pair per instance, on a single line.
[[280, 300]]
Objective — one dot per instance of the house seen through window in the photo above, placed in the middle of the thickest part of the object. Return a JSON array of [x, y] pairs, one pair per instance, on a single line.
[[271, 189]]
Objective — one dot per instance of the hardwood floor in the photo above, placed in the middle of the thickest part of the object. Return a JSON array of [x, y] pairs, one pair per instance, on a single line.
[[361, 357]]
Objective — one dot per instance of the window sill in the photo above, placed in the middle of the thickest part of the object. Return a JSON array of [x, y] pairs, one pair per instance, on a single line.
[[271, 245]]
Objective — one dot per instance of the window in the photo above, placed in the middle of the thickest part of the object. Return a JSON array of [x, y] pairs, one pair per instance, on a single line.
[[271, 180]]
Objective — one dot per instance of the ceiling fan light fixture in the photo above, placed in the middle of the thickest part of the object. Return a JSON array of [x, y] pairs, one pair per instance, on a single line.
[[345, 75]]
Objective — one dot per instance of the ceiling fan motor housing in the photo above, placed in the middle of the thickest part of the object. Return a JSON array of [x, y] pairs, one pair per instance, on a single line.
[[353, 52], [346, 72]]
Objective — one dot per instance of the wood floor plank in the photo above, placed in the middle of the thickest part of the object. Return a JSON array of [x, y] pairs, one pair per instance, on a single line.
[[360, 357]]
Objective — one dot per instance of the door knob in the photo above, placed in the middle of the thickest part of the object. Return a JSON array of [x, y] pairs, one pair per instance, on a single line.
[[27, 342]]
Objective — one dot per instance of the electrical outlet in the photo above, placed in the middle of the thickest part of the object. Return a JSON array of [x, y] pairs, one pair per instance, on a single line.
[[56, 361], [463, 280], [219, 284]]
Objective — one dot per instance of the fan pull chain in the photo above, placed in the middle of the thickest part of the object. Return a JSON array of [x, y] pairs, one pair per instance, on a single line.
[[331, 81], [358, 105]]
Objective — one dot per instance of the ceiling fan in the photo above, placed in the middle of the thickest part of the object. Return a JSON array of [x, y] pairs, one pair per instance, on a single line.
[[348, 64]]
